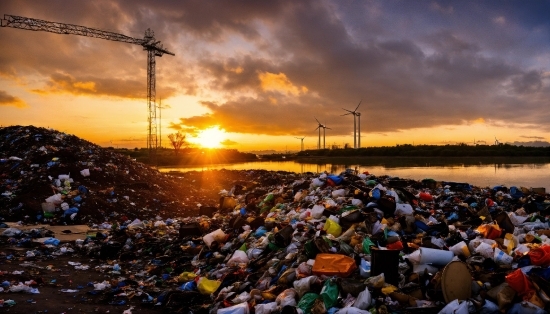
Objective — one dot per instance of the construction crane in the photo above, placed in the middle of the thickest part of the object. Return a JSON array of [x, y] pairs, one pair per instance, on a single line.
[[148, 42]]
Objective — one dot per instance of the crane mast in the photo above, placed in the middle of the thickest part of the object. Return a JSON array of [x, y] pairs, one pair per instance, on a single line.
[[148, 42]]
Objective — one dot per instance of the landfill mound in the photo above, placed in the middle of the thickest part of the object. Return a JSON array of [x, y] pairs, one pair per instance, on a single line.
[[49, 176]]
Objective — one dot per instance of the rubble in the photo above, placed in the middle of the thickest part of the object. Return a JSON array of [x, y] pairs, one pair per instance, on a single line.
[[289, 243]]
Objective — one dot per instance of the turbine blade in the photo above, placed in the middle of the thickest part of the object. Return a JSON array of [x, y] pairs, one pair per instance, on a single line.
[[346, 114], [317, 120], [358, 105]]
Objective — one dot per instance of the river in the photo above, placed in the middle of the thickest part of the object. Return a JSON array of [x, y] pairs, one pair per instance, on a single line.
[[528, 175]]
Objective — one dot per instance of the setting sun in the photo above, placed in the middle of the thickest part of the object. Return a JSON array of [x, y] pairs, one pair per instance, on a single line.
[[211, 137]]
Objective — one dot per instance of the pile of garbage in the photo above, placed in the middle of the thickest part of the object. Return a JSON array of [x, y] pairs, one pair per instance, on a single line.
[[327, 243], [48, 176], [311, 243]]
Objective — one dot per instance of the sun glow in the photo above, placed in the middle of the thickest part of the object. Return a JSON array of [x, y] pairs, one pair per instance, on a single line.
[[211, 137]]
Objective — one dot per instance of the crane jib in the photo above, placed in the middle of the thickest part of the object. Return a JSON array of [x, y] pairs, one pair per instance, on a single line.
[[153, 47]]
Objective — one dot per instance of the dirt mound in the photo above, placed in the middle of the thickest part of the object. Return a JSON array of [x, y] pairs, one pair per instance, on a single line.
[[38, 163]]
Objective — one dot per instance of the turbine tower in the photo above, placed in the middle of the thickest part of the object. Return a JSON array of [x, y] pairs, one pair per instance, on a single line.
[[319, 126], [356, 136], [324, 134], [302, 145]]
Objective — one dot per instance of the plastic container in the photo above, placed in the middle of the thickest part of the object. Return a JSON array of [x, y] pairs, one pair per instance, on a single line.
[[216, 235], [435, 257], [420, 268], [333, 265], [460, 249]]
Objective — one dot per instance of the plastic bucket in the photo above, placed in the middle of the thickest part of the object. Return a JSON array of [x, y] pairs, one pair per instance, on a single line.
[[435, 257]]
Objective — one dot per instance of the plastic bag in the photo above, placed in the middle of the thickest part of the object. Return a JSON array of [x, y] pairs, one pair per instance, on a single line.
[[455, 307], [363, 300], [207, 286], [332, 227], [352, 310], [287, 277], [490, 231], [189, 286], [265, 308], [307, 301], [329, 293], [503, 294], [239, 257], [241, 308], [287, 297], [317, 211], [303, 270], [367, 243], [376, 282], [303, 285], [186, 276], [540, 256], [521, 284]]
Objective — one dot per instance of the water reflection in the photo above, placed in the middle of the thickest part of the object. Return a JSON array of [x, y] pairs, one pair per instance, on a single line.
[[480, 174]]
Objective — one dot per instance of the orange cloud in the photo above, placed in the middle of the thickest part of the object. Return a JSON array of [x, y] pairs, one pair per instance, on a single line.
[[9, 100], [279, 82], [228, 142]]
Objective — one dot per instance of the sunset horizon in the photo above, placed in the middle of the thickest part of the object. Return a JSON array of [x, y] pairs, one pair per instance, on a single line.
[[256, 77]]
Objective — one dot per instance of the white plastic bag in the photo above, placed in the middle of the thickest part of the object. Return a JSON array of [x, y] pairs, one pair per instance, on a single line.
[[266, 308], [239, 257], [317, 211], [287, 297], [241, 308], [302, 286], [363, 300], [339, 193], [403, 209], [316, 183], [455, 308]]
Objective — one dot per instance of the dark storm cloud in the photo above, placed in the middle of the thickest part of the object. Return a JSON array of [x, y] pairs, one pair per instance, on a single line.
[[9, 100], [414, 64]]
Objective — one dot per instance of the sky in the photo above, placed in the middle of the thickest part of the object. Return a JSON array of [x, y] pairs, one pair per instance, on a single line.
[[255, 75]]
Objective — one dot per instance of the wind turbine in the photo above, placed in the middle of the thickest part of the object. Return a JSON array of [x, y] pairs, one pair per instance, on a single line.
[[324, 134], [319, 126], [356, 144], [301, 139], [496, 141]]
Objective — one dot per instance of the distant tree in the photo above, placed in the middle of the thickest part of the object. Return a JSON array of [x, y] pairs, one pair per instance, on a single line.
[[177, 140]]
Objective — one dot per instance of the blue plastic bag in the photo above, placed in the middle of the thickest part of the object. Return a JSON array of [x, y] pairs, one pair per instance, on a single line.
[[52, 241]]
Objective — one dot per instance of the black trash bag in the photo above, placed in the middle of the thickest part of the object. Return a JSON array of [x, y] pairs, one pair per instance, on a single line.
[[350, 218], [110, 250]]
